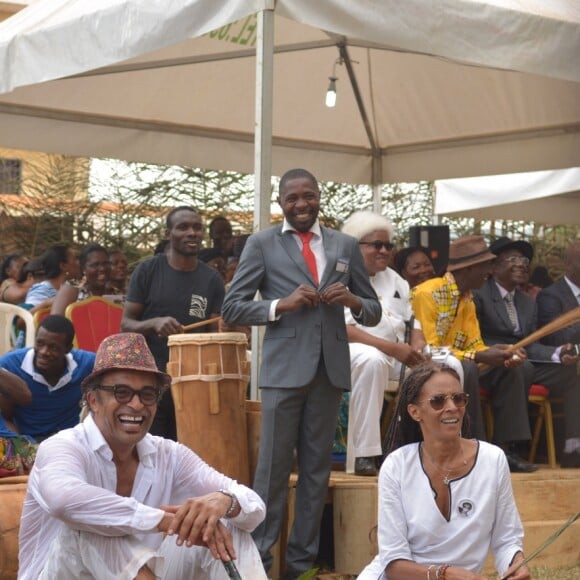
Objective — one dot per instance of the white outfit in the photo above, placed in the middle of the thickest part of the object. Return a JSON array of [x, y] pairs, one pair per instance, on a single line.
[[71, 509], [483, 515], [371, 370]]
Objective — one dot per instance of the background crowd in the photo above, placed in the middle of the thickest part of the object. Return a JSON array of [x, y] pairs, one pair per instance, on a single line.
[[355, 288]]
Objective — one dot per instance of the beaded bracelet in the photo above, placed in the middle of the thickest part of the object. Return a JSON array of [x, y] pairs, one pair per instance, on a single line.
[[441, 571], [429, 571]]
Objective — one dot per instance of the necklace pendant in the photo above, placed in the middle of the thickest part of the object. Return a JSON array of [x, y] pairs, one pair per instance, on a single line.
[[446, 480]]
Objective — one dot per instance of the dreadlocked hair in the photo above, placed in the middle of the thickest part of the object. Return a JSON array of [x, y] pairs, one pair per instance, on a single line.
[[403, 429]]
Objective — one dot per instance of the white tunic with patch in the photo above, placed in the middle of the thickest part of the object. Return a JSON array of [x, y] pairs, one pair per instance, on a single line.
[[483, 515]]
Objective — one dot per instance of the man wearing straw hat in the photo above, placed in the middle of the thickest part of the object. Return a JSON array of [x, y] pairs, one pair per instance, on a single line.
[[169, 291], [102, 495], [446, 310]]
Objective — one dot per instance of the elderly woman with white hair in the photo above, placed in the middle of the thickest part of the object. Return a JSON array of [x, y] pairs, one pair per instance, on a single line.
[[377, 353]]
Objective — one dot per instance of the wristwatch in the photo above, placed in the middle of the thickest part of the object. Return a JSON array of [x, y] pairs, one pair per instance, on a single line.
[[233, 505]]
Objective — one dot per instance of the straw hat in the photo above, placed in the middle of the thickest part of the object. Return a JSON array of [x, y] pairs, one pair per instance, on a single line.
[[468, 251], [125, 351]]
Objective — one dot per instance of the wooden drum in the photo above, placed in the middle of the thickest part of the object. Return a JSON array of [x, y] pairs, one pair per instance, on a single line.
[[210, 377]]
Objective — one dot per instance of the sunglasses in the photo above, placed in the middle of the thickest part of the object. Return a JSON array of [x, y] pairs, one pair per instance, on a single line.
[[438, 401], [124, 394], [378, 244]]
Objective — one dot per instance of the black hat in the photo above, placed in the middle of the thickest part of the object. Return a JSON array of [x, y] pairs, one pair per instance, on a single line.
[[503, 244]]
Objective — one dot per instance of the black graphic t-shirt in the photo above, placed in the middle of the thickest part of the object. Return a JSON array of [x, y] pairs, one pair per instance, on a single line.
[[187, 296]]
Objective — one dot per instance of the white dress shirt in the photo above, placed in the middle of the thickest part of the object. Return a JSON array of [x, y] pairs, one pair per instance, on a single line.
[[73, 484], [575, 289], [317, 248]]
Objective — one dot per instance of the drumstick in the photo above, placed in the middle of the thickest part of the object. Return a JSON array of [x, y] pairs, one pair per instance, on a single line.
[[202, 323], [567, 319], [563, 321]]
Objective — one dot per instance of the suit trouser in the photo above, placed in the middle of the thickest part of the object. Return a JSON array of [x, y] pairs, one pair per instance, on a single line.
[[301, 419], [562, 381], [471, 387], [509, 398]]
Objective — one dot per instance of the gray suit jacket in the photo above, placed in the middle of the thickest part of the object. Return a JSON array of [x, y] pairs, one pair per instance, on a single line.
[[495, 325], [294, 344], [554, 301]]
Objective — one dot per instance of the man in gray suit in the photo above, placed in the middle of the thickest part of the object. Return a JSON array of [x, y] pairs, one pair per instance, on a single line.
[[305, 358], [553, 367]]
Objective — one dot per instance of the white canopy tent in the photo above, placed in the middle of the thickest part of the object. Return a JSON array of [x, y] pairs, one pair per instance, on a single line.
[[541, 196], [420, 90], [426, 89]]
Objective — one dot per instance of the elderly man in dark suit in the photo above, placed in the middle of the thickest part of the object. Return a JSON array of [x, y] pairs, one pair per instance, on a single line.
[[306, 275], [506, 315]]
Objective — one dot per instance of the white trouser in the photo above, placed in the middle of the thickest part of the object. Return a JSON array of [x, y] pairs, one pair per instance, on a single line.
[[79, 555], [371, 371]]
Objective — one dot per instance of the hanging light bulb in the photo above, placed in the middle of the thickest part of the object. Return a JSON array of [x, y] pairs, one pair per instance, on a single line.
[[331, 93]]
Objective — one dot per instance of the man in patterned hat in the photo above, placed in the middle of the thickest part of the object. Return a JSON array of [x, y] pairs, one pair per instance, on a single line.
[[102, 495], [446, 310]]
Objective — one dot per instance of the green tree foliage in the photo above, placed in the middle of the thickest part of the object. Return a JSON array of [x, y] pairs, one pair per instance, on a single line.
[[128, 203]]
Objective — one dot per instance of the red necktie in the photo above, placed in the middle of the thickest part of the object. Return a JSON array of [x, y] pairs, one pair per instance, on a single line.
[[308, 254]]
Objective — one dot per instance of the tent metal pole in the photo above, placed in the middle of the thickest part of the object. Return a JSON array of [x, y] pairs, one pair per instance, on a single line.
[[377, 183], [262, 150], [376, 167]]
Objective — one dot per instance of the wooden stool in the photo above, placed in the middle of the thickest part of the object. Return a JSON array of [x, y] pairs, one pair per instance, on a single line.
[[540, 396]]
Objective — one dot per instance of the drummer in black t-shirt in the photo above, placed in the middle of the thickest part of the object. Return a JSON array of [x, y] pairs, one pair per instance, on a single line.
[[169, 291]]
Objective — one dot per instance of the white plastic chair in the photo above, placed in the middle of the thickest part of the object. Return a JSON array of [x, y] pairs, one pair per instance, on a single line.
[[8, 312]]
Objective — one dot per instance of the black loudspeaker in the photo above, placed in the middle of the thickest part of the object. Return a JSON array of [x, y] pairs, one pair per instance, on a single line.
[[436, 239]]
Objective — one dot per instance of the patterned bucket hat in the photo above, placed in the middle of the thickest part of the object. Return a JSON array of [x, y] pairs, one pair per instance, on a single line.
[[125, 351]]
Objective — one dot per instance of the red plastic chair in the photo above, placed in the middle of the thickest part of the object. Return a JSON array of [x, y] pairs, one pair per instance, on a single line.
[[40, 315], [94, 319]]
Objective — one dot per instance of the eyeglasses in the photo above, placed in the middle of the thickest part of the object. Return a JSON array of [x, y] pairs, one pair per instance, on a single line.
[[378, 244], [438, 401], [517, 260], [124, 394]]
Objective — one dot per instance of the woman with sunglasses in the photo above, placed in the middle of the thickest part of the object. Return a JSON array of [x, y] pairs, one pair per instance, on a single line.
[[444, 500]]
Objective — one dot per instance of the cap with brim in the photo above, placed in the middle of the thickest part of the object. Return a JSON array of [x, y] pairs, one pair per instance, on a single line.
[[127, 351], [504, 244], [468, 251]]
